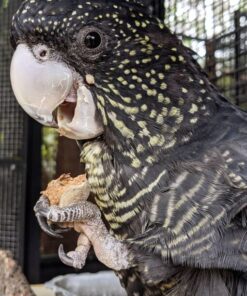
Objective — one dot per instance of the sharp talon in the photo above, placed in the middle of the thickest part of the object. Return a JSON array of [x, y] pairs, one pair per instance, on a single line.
[[64, 257], [42, 204], [46, 227], [61, 230], [41, 210]]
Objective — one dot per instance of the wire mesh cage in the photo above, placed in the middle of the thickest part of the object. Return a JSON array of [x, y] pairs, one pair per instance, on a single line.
[[217, 31], [12, 147]]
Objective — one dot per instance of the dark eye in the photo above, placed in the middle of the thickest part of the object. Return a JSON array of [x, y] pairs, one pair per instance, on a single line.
[[92, 40]]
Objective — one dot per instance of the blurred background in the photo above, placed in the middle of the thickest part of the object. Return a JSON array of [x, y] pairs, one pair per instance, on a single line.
[[30, 155]]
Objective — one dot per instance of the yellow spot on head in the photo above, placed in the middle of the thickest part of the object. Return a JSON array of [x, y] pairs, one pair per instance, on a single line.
[[120, 79], [194, 120], [164, 111], [142, 124], [179, 119], [144, 107], [153, 81], [151, 92], [153, 114], [137, 23], [167, 67], [144, 87], [140, 148], [162, 26], [193, 109], [163, 86], [170, 144], [90, 79], [180, 101], [160, 119], [133, 70], [154, 141], [147, 60], [132, 53], [151, 159], [126, 99], [181, 58], [136, 163], [161, 98], [174, 112]]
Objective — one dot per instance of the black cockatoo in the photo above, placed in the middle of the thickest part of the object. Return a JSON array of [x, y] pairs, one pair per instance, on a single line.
[[165, 153]]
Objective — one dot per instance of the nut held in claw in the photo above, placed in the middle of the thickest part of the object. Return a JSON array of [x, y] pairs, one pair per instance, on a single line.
[[61, 192]]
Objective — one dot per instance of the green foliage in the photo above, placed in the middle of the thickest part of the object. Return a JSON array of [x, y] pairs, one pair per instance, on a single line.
[[49, 151], [4, 4], [1, 138]]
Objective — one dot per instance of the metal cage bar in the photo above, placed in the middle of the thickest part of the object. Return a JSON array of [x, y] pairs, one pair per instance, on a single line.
[[217, 31]]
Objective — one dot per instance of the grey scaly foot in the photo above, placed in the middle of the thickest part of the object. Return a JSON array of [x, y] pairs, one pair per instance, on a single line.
[[109, 250], [87, 221], [76, 258], [81, 211]]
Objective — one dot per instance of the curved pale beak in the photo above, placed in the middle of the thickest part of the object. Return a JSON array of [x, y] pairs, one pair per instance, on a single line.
[[46, 90], [39, 87]]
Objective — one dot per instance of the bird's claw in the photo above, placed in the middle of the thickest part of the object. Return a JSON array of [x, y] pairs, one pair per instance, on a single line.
[[41, 210], [74, 259]]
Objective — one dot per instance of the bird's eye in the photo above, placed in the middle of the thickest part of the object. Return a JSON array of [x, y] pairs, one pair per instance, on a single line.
[[92, 40]]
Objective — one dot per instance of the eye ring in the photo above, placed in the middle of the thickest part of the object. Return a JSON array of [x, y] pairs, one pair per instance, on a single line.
[[92, 40], [41, 52]]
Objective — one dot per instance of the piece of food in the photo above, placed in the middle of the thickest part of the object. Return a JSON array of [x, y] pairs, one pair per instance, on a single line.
[[64, 202], [67, 190]]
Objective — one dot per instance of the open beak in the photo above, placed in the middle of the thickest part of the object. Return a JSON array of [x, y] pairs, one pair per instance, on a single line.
[[51, 93]]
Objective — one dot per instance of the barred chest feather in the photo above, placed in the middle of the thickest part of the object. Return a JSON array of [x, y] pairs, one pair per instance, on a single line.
[[103, 180], [122, 194]]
